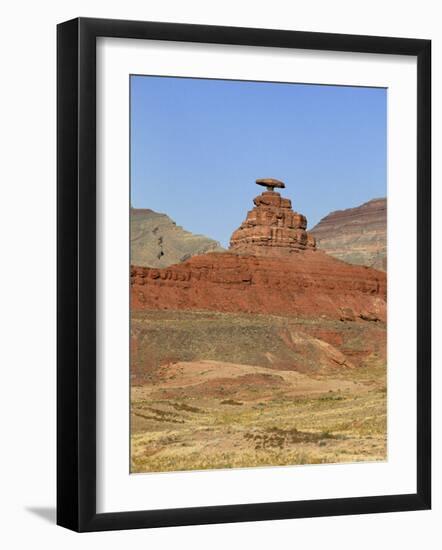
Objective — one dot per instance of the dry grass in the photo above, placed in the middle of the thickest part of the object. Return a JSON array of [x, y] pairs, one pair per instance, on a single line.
[[205, 411]]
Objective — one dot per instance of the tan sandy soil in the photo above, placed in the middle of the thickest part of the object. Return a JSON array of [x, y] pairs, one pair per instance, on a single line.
[[215, 413]]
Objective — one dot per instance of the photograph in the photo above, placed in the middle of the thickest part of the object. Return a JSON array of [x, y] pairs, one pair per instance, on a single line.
[[258, 274]]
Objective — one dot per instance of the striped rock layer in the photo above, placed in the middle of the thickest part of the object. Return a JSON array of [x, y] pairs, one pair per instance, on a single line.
[[307, 283], [272, 228]]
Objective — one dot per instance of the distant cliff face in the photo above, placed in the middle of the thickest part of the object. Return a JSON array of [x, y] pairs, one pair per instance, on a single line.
[[156, 240], [356, 235]]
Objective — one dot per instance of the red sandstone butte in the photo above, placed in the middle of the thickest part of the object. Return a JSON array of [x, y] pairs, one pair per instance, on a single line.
[[310, 283], [272, 267]]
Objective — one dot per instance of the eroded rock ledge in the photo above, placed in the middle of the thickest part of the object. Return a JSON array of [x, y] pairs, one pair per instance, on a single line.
[[309, 283]]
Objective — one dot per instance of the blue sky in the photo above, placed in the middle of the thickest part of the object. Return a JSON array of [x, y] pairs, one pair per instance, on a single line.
[[198, 145]]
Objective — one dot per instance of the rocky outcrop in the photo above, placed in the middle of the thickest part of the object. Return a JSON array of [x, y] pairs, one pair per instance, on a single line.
[[156, 240], [273, 267], [308, 283], [356, 235], [272, 228]]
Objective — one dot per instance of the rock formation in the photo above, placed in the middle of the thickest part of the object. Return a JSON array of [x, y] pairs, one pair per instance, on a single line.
[[312, 284], [272, 228], [156, 240], [272, 267], [356, 235]]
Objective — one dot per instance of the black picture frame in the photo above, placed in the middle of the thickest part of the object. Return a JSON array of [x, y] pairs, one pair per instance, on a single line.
[[76, 274]]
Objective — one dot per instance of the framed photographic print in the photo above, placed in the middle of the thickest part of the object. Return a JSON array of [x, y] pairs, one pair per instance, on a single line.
[[243, 274]]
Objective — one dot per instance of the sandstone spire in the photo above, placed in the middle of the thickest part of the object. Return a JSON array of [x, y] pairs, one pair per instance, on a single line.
[[272, 228]]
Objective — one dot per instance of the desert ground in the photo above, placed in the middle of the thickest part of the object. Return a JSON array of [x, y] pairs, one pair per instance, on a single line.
[[227, 390]]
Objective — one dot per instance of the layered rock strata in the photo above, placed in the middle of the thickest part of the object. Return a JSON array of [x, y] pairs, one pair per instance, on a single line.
[[356, 235], [272, 228], [157, 241], [310, 284], [273, 267]]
